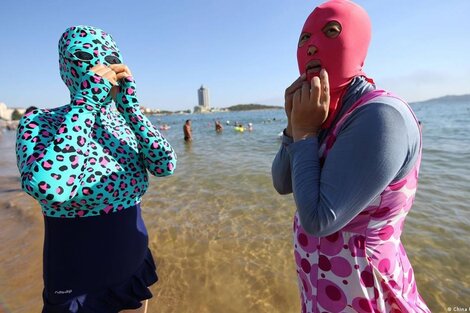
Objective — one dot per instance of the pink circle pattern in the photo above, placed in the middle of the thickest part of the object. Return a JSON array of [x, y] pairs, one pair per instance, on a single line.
[[363, 267]]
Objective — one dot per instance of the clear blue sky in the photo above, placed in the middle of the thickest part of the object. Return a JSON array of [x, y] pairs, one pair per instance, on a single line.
[[244, 51]]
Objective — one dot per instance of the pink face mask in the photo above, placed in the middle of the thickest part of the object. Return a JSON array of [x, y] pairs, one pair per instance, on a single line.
[[343, 56]]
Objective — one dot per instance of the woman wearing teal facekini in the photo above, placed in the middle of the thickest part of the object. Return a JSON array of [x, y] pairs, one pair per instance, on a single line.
[[87, 165]]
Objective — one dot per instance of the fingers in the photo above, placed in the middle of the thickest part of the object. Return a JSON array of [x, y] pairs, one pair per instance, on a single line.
[[118, 67], [305, 92], [113, 72], [325, 87], [315, 90], [100, 69], [295, 85], [122, 75], [288, 105], [310, 106], [121, 70], [297, 97], [105, 72], [289, 94], [97, 67]]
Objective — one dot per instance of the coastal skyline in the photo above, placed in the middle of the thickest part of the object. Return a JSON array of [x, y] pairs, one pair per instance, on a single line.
[[244, 52]]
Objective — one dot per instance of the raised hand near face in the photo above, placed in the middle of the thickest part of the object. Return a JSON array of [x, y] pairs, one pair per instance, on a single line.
[[105, 72], [121, 71], [123, 76], [288, 99], [310, 105], [114, 73]]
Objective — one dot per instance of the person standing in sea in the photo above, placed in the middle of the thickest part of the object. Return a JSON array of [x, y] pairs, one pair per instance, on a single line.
[[218, 127], [187, 131], [350, 155], [87, 165]]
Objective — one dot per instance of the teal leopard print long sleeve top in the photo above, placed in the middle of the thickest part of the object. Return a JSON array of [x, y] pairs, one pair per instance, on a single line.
[[85, 158]]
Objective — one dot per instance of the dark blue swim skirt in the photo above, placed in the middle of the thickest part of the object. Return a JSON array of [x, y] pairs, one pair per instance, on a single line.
[[97, 264]]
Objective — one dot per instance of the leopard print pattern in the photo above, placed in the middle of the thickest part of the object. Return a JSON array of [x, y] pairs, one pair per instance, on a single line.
[[94, 43], [85, 159]]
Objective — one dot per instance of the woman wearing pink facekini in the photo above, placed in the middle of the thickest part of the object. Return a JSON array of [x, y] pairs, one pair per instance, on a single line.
[[350, 155]]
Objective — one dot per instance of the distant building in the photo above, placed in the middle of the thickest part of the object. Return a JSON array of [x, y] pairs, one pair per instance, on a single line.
[[203, 100], [6, 112]]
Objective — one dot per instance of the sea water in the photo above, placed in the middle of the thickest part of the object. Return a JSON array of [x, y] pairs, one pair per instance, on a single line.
[[221, 235]]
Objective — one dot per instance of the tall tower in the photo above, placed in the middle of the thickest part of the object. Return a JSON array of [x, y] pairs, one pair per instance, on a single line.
[[203, 96]]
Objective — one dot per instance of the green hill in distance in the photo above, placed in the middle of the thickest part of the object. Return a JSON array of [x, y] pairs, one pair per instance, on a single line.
[[444, 99], [252, 106], [255, 106]]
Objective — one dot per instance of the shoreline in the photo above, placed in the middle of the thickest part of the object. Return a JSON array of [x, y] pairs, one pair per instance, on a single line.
[[9, 125]]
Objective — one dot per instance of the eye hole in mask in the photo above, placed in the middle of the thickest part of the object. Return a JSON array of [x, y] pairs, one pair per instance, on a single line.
[[111, 59], [83, 56]]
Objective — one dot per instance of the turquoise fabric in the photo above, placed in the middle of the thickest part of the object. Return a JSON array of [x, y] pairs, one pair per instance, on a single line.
[[84, 40], [87, 158]]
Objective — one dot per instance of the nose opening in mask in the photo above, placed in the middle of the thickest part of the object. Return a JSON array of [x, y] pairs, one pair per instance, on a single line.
[[311, 50]]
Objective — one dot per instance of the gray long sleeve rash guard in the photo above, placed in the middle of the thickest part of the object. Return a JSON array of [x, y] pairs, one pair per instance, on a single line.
[[377, 145]]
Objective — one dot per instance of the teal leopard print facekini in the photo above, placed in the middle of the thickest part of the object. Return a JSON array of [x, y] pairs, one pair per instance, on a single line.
[[81, 48], [86, 159]]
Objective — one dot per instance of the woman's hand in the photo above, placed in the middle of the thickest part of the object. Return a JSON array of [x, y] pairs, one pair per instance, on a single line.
[[114, 73], [288, 98], [105, 72], [95, 87], [125, 94], [310, 106], [121, 71]]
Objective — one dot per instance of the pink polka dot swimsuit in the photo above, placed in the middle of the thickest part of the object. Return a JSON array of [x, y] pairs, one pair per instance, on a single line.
[[363, 267]]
